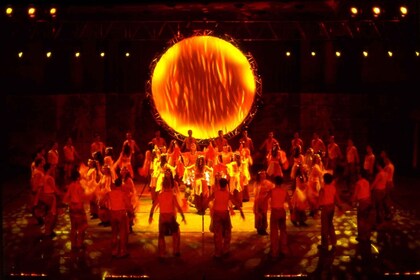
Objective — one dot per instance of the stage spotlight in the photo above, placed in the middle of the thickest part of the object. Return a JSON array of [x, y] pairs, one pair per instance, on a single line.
[[390, 53], [365, 53], [102, 54], [53, 12], [48, 54], [77, 54], [288, 53], [20, 54], [403, 11], [31, 12], [354, 11], [126, 48], [417, 53], [9, 11], [313, 53], [338, 54], [376, 10]]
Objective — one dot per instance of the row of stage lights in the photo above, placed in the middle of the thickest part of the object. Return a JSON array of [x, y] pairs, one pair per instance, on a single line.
[[355, 11], [376, 11], [338, 54], [33, 12]]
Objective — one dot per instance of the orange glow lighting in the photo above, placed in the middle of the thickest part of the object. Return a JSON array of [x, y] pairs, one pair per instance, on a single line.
[[205, 84]]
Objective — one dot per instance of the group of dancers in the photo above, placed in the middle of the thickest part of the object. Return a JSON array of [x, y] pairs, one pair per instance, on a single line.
[[181, 175]]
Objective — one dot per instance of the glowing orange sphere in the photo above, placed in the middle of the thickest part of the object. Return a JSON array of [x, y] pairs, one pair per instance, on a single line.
[[205, 84]]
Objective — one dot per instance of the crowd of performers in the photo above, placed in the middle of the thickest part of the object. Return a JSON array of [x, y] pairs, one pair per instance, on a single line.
[[216, 177]]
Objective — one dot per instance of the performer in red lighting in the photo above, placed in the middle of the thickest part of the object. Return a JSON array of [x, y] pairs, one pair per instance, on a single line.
[[296, 142], [168, 209], [129, 189], [186, 144], [70, 155], [362, 197], [244, 168], [119, 206], [131, 142], [134, 149], [200, 184], [234, 172], [158, 140], [220, 141], [299, 201], [97, 145], [298, 160], [315, 181], [369, 163], [104, 187], [246, 142], [379, 192], [53, 158], [48, 194], [352, 160], [124, 160], [268, 144], [334, 155], [277, 197], [261, 188], [89, 180], [328, 200], [318, 145], [277, 161], [75, 197], [389, 169], [37, 182], [222, 227]]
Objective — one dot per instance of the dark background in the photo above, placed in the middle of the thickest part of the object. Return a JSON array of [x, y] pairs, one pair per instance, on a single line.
[[372, 100]]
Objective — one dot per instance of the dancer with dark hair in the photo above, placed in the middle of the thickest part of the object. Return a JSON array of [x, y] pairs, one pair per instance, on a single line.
[[221, 210], [379, 192], [328, 200], [261, 188], [168, 209], [277, 197], [362, 199], [120, 207], [48, 194], [75, 197]]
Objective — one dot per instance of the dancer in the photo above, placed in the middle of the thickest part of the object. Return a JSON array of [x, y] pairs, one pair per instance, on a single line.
[[220, 141], [75, 197], [277, 162], [244, 168], [261, 188], [186, 144], [277, 197], [328, 200], [168, 209], [221, 210], [48, 194], [299, 200], [120, 207], [362, 199], [70, 155], [104, 187], [314, 185]]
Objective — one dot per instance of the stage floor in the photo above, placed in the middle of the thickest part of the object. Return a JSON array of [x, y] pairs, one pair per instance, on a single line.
[[394, 249]]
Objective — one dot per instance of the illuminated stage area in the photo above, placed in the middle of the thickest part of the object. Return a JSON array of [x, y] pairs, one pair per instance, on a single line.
[[90, 79], [394, 249]]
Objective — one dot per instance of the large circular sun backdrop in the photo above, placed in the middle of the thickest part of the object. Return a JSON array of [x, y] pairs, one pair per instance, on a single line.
[[205, 84]]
